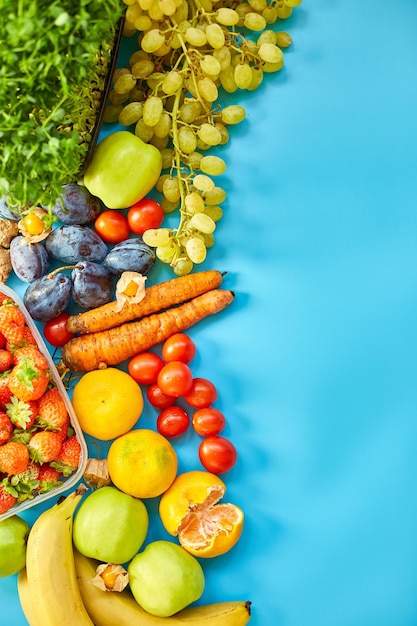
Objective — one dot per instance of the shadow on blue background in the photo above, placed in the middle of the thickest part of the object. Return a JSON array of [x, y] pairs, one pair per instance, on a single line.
[[315, 361]]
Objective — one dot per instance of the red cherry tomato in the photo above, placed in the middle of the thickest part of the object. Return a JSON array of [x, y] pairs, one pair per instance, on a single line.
[[172, 421], [145, 367], [208, 421], [158, 398], [55, 331], [175, 378], [178, 347], [217, 454], [146, 213], [112, 226], [202, 393]]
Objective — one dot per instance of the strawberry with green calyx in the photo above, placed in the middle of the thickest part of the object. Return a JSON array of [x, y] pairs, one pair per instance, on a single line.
[[68, 459], [26, 483], [23, 436], [30, 353], [6, 360], [12, 322], [44, 446], [52, 412], [49, 478], [6, 427], [14, 457], [28, 382], [7, 499], [22, 414]]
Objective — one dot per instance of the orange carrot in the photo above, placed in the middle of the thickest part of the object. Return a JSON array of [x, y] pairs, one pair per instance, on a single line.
[[110, 347], [157, 298]]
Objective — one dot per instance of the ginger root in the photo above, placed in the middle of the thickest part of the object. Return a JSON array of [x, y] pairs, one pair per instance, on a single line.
[[8, 230]]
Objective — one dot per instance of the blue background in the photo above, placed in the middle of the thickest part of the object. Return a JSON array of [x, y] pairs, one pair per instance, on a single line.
[[315, 361]]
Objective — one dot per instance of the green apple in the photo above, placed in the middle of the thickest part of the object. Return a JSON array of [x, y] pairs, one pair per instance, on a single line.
[[110, 525], [164, 578], [14, 532], [123, 170]]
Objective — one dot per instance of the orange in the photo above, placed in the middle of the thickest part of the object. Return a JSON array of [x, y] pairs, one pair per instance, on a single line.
[[142, 463], [190, 509], [107, 402]]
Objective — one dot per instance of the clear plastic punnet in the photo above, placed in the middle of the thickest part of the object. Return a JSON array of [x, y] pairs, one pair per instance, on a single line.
[[65, 482]]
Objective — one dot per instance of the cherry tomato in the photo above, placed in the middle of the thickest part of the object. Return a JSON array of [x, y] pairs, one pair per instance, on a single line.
[[146, 213], [172, 421], [157, 398], [178, 347], [112, 226], [217, 454], [175, 378], [145, 367], [202, 393], [208, 421], [55, 330]]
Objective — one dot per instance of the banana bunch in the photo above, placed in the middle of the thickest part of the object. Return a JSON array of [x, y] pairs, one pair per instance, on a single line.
[[54, 587]]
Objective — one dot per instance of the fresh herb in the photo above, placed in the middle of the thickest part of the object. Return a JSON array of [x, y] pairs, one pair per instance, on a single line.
[[54, 60]]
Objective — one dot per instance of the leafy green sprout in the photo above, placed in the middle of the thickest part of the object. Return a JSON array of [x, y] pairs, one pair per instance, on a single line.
[[54, 62]]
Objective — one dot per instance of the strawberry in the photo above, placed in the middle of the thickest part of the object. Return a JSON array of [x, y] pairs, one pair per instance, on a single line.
[[5, 298], [7, 499], [52, 413], [68, 459], [28, 382], [44, 446], [5, 393], [28, 338], [2, 341], [31, 473], [26, 482], [6, 360], [6, 427], [12, 322], [66, 430], [24, 354], [14, 457], [21, 413], [48, 478]]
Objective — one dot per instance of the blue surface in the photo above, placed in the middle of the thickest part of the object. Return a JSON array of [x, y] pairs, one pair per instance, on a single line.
[[315, 361]]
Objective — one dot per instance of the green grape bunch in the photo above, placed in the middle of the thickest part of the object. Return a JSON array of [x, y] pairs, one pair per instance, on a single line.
[[189, 54]]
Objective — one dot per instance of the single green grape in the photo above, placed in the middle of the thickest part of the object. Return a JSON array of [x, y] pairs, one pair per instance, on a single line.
[[212, 165], [157, 236], [196, 250], [215, 36], [152, 40], [202, 222]]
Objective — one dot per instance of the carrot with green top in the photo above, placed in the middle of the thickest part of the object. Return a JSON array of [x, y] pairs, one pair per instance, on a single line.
[[157, 298], [112, 346]]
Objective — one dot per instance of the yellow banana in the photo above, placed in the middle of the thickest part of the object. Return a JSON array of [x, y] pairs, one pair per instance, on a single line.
[[110, 608], [28, 607], [50, 568]]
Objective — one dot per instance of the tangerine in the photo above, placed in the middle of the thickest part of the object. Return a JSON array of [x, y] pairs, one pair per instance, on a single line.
[[190, 510], [107, 402], [142, 463]]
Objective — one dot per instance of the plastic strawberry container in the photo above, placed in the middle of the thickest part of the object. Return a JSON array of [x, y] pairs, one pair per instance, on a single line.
[[72, 479]]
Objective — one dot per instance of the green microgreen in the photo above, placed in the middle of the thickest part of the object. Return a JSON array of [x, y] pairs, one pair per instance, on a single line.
[[54, 60]]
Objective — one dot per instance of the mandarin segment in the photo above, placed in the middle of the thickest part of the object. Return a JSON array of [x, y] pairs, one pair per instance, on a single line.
[[190, 510]]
